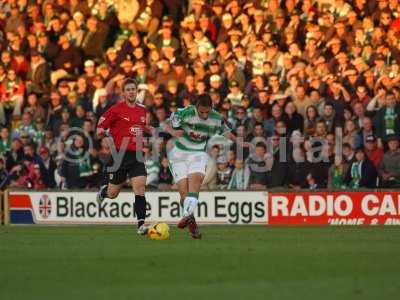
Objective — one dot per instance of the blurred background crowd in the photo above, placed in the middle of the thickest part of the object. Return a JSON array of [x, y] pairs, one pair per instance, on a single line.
[[291, 72]]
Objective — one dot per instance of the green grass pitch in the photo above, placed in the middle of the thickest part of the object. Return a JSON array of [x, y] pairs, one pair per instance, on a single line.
[[231, 262]]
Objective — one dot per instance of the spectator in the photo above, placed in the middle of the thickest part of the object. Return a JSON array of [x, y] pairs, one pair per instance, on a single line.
[[312, 183], [49, 141], [223, 172], [389, 168], [317, 154], [298, 167], [301, 100], [20, 64], [148, 16], [361, 173], [235, 96], [240, 118], [388, 120], [350, 133], [276, 115], [19, 176], [362, 96], [279, 170], [12, 92], [4, 176], [165, 177], [48, 167], [293, 120], [365, 130], [256, 118], [330, 118], [74, 33], [5, 140], [257, 135], [239, 178], [103, 103], [38, 137], [258, 167], [310, 120], [359, 114], [242, 145], [33, 107], [38, 75], [36, 178], [31, 155], [126, 11], [26, 126], [14, 156], [76, 167], [94, 39], [336, 175], [48, 49], [374, 153], [67, 63], [65, 119]]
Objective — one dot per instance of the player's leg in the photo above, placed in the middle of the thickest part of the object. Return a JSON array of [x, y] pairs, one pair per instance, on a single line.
[[196, 173], [197, 170], [114, 185], [182, 189], [113, 190], [194, 183], [138, 186], [179, 167], [137, 174]]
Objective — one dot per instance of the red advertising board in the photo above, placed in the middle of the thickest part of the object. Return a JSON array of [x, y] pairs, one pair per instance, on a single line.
[[334, 208]]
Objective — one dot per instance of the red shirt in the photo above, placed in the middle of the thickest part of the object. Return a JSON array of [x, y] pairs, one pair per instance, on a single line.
[[125, 122], [375, 156]]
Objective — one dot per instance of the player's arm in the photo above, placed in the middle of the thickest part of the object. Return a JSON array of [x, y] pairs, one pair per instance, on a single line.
[[174, 132], [174, 127], [101, 132], [104, 123], [226, 131]]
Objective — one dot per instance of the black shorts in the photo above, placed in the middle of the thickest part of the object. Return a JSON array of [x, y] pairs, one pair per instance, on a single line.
[[131, 166]]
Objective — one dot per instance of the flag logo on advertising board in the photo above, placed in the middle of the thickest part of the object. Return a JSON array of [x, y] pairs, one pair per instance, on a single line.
[[45, 206]]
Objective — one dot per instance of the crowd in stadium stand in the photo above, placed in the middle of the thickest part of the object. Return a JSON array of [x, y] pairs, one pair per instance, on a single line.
[[292, 73]]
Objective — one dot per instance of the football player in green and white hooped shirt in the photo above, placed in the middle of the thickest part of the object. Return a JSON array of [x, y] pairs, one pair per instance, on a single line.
[[192, 127]]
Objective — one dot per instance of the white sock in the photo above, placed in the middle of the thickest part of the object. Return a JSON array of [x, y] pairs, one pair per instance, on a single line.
[[185, 207], [192, 205]]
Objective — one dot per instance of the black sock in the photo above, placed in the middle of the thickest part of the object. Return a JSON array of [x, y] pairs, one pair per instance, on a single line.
[[103, 192], [140, 209]]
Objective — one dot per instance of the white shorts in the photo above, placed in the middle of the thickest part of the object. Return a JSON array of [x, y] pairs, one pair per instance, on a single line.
[[182, 163]]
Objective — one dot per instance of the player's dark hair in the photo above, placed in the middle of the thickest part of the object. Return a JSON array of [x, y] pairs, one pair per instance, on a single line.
[[128, 81], [204, 100]]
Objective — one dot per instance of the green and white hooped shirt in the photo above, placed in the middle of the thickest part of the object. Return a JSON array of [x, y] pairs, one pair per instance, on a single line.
[[196, 130]]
